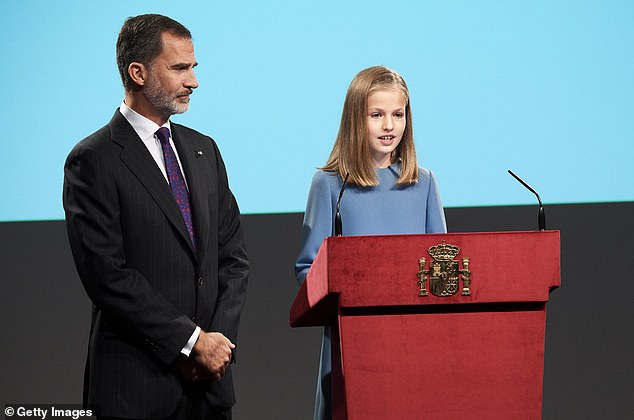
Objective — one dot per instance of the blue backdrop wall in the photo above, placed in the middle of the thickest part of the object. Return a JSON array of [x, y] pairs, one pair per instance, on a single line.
[[544, 88]]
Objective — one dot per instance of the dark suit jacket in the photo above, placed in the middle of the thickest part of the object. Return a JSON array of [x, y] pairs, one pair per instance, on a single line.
[[149, 286]]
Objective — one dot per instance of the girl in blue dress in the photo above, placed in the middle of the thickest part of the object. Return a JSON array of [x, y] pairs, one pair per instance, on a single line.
[[386, 191]]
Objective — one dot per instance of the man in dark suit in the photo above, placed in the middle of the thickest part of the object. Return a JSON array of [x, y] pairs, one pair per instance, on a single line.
[[156, 237]]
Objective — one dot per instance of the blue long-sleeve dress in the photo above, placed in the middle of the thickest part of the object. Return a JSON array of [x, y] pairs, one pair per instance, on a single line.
[[387, 208]]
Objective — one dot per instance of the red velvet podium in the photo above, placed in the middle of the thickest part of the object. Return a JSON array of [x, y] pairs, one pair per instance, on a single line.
[[442, 326]]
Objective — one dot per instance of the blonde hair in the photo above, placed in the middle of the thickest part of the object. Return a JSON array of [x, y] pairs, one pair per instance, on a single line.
[[351, 152]]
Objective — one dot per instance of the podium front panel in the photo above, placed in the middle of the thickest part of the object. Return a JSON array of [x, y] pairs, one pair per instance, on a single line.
[[476, 365]]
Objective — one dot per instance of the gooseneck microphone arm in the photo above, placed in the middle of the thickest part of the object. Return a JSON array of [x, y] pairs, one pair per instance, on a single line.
[[338, 228], [541, 217]]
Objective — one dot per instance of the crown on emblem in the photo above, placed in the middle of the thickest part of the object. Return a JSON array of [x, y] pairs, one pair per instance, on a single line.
[[444, 252]]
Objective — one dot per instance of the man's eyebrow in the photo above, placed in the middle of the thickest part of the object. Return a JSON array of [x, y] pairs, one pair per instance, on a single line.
[[183, 66]]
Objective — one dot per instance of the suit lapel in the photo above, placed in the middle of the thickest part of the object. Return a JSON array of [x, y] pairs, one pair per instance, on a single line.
[[138, 159], [198, 188]]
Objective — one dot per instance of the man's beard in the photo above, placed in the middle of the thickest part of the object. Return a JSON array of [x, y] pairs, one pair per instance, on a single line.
[[162, 100]]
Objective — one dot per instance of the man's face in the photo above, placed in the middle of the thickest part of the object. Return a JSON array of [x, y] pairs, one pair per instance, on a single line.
[[171, 79]]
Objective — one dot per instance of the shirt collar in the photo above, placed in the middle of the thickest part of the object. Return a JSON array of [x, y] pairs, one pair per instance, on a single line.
[[144, 127]]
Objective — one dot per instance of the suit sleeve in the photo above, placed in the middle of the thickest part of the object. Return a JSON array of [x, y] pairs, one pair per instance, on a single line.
[[123, 295], [233, 266]]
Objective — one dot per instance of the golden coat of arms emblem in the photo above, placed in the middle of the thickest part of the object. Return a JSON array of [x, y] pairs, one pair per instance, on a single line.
[[444, 272]]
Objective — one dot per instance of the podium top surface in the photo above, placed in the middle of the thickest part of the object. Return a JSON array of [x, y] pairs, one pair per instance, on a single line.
[[386, 270]]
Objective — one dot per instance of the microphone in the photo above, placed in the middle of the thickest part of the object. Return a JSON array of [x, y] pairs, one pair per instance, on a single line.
[[338, 228], [541, 218]]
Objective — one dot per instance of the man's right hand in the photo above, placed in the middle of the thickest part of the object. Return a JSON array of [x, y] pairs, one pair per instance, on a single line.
[[213, 352]]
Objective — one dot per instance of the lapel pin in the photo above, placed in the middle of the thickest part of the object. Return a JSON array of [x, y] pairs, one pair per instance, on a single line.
[[199, 153]]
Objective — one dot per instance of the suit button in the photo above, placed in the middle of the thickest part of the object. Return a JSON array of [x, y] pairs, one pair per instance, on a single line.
[[193, 319], [200, 282]]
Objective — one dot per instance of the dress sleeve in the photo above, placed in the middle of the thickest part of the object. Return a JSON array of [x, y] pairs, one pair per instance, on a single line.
[[435, 214], [318, 221]]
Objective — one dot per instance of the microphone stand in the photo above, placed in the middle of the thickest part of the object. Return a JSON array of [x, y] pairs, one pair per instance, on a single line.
[[541, 217], [338, 226]]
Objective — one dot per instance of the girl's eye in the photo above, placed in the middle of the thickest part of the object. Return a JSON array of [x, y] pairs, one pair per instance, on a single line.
[[399, 115], [375, 115]]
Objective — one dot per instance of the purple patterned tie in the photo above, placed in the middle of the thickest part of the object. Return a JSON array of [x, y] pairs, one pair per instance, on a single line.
[[175, 176]]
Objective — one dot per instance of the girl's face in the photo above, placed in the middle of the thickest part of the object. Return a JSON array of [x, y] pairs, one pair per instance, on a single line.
[[386, 123]]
